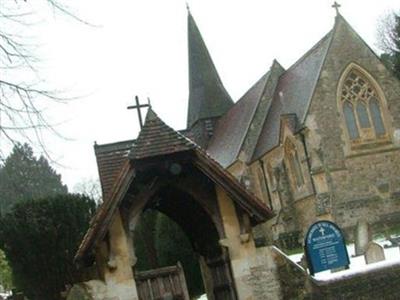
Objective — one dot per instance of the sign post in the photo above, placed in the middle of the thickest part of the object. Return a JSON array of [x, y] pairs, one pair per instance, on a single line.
[[325, 247]]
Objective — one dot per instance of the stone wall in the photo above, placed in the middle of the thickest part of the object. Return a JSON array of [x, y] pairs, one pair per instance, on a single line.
[[368, 189], [376, 284], [260, 276], [295, 283], [293, 205], [292, 277], [269, 274]]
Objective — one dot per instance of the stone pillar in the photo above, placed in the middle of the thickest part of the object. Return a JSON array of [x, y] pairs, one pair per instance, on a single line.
[[253, 270], [320, 176], [118, 273], [114, 263]]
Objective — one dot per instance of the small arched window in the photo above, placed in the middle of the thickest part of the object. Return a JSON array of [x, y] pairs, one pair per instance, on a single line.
[[295, 169], [362, 109]]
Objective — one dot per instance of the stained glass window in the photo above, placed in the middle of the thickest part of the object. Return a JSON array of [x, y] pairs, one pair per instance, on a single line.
[[350, 121], [297, 169], [363, 115], [362, 108], [376, 116]]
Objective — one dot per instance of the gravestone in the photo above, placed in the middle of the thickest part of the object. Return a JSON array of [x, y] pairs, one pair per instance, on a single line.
[[362, 236], [374, 253]]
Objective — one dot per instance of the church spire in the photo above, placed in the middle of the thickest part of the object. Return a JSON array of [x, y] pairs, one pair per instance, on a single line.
[[207, 95]]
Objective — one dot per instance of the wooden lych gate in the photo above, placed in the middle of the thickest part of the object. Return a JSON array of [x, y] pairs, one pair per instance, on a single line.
[[162, 284], [167, 172]]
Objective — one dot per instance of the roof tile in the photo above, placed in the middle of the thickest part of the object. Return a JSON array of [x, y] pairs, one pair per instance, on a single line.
[[156, 138]]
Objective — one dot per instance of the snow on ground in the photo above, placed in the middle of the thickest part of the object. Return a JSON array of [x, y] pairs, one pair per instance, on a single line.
[[357, 264]]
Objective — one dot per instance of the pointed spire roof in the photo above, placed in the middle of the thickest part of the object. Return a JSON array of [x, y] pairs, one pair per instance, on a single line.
[[208, 97], [156, 138]]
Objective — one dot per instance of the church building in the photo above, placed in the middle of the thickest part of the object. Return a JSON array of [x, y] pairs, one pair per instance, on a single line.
[[319, 140]]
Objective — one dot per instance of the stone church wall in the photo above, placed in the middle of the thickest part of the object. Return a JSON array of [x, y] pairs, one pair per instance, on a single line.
[[363, 183], [369, 189], [294, 207]]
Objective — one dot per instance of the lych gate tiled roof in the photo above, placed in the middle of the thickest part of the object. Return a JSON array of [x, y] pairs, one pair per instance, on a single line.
[[156, 138], [110, 159], [231, 129], [208, 97]]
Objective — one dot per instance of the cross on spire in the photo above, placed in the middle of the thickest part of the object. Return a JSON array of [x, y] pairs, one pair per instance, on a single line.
[[138, 106], [336, 7]]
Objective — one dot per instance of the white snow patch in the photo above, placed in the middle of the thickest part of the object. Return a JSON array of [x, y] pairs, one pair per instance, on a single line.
[[357, 264]]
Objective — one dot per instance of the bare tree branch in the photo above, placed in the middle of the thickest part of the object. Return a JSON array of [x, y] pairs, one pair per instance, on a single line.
[[22, 101], [386, 33]]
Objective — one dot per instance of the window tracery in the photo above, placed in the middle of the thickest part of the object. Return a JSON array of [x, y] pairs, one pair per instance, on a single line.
[[362, 109]]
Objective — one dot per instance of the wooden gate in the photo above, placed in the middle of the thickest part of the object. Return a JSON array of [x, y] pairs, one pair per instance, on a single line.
[[223, 284], [162, 284]]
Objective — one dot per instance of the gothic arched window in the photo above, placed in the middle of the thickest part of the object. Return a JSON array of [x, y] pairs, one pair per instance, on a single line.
[[362, 108], [294, 164]]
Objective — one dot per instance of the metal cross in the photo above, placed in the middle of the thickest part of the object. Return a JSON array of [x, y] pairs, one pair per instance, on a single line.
[[336, 7], [138, 106]]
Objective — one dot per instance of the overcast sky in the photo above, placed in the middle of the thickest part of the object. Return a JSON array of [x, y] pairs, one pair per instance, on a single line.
[[139, 47]]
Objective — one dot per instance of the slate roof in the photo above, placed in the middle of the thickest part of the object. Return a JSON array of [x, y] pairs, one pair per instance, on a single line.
[[157, 139], [231, 128], [110, 159], [208, 97], [293, 94]]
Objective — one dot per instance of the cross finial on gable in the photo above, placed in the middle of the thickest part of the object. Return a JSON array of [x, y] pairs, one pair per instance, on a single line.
[[336, 7], [138, 106]]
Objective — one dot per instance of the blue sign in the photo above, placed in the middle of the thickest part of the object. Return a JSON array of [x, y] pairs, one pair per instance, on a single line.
[[325, 247]]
